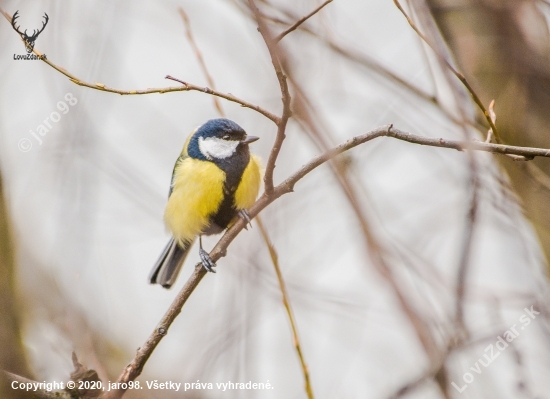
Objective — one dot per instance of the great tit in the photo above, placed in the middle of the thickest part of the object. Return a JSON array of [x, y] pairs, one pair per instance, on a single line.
[[214, 179]]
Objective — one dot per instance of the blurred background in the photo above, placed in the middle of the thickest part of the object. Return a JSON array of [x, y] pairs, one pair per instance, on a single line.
[[403, 263]]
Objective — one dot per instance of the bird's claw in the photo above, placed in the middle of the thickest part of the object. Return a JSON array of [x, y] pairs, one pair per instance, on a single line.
[[243, 214], [206, 261]]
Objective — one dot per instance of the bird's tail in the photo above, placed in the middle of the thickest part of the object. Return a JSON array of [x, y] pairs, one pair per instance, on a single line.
[[169, 264]]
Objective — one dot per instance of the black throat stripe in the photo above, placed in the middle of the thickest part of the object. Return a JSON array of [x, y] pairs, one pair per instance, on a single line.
[[233, 167]]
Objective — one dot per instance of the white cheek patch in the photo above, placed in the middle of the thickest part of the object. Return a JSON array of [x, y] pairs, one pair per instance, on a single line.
[[214, 147]]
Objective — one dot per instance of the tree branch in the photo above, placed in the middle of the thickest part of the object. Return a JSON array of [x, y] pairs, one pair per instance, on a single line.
[[466, 248], [133, 370], [191, 87], [461, 145], [186, 86], [277, 60], [200, 58], [288, 308], [292, 28], [459, 75]]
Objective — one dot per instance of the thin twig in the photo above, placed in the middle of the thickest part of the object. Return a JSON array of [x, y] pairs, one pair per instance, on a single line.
[[286, 303], [277, 60], [292, 28], [466, 249], [493, 117], [414, 384], [186, 86], [459, 75], [230, 97], [200, 58], [461, 145], [467, 243]]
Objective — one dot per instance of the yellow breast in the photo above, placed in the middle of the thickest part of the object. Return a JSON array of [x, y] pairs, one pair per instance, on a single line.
[[196, 195], [248, 188], [197, 192]]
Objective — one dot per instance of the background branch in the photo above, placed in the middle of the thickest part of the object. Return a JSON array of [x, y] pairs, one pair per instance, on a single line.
[[200, 59], [186, 86], [295, 26], [277, 60], [286, 302], [459, 75]]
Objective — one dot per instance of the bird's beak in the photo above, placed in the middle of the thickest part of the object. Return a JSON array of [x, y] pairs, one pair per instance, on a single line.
[[249, 139]]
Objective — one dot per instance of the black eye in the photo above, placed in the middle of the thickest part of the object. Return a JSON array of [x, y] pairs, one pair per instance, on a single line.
[[226, 137]]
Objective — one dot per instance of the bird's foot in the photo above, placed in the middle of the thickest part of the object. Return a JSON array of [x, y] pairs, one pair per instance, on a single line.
[[206, 261], [243, 214]]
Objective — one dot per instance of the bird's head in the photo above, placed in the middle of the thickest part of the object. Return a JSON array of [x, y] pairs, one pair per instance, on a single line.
[[218, 139]]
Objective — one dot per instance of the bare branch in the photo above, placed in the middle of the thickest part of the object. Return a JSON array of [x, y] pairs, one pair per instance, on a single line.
[[466, 248], [230, 97], [412, 385], [292, 28], [493, 117], [277, 60], [460, 145], [286, 303], [459, 75], [200, 58], [186, 86]]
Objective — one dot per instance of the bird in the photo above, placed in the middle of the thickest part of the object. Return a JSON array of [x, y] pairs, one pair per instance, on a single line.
[[214, 181]]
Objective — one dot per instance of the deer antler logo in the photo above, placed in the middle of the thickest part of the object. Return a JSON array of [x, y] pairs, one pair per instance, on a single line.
[[29, 40]]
